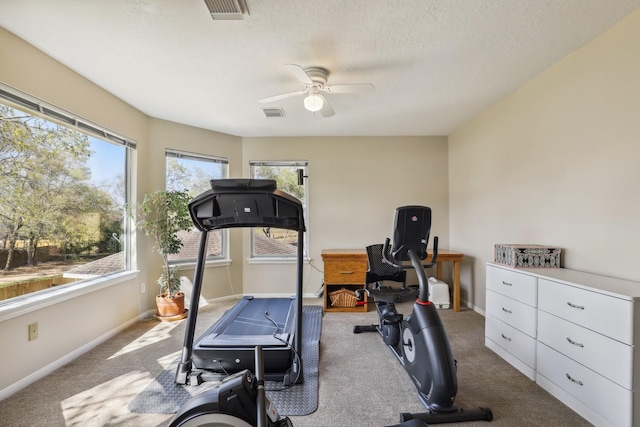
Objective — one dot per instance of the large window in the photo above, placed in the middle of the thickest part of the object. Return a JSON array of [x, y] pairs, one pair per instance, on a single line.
[[193, 172], [290, 177], [63, 188]]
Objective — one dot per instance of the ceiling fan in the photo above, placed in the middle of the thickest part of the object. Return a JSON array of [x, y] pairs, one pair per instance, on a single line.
[[314, 80]]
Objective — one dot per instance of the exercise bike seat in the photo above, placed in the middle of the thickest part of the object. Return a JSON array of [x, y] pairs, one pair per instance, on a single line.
[[387, 294]]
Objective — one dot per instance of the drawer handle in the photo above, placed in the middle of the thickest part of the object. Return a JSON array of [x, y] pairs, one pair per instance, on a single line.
[[574, 342], [579, 307], [507, 283], [574, 380], [506, 311], [505, 337], [346, 272]]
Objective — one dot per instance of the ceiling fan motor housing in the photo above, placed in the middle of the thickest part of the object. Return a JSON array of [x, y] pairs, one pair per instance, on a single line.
[[318, 75]]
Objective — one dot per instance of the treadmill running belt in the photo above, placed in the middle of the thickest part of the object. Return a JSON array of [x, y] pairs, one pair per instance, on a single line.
[[251, 322], [228, 346]]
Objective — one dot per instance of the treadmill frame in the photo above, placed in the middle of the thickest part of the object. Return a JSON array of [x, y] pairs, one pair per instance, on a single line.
[[235, 203]]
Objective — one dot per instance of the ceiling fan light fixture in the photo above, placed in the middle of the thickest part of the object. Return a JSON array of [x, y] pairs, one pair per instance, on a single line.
[[313, 102]]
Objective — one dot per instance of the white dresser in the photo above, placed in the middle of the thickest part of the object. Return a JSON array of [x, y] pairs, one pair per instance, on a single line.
[[574, 333]]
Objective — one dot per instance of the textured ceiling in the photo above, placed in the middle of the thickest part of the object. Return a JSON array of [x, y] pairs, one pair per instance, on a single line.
[[435, 64]]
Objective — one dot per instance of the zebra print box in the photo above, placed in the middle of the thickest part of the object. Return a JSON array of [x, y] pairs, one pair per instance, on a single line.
[[527, 256]]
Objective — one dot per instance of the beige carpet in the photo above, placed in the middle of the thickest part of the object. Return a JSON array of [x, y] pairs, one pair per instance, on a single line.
[[361, 383]]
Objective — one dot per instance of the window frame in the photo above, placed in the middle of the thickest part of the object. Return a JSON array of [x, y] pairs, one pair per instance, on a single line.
[[22, 304], [299, 164], [224, 256]]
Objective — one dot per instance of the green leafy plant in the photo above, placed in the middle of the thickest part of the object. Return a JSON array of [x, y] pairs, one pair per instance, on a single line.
[[161, 215]]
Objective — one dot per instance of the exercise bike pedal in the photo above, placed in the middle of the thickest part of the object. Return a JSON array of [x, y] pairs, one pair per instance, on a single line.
[[365, 328]]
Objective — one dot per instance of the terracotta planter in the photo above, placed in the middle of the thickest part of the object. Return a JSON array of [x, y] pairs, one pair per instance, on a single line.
[[170, 307]]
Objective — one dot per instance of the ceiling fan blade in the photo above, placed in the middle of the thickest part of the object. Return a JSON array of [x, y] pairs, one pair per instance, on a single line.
[[282, 96], [327, 109], [299, 73], [349, 88]]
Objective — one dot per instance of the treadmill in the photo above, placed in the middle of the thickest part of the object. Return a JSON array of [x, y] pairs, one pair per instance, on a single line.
[[273, 323]]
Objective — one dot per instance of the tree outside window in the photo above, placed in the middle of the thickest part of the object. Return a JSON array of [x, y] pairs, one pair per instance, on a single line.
[[62, 197]]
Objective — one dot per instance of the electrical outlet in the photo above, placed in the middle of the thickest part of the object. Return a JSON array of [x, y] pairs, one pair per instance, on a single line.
[[143, 288], [33, 331]]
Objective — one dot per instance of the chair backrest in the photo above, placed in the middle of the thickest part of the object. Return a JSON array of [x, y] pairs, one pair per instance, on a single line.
[[380, 270]]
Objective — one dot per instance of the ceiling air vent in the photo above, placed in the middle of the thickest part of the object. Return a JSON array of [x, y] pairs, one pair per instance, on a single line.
[[273, 113], [227, 9]]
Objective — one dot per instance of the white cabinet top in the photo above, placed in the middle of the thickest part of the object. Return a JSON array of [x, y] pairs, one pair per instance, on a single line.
[[619, 288]]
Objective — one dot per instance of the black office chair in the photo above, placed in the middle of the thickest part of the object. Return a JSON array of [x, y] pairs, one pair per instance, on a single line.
[[380, 271]]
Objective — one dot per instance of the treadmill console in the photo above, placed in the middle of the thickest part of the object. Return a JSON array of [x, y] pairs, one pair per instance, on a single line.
[[238, 185], [246, 203]]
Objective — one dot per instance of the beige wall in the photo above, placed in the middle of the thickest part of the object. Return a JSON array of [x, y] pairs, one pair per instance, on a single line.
[[355, 184], [69, 325], [556, 163], [65, 330]]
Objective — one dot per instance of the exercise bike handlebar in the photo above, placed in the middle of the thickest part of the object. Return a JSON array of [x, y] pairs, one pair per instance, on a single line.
[[423, 281], [416, 264]]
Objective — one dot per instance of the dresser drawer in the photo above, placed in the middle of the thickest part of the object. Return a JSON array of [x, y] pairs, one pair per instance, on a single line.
[[608, 357], [345, 272], [514, 313], [612, 317], [600, 394], [521, 345], [518, 286]]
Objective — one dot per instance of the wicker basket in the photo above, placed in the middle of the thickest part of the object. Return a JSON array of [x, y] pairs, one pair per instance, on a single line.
[[343, 298]]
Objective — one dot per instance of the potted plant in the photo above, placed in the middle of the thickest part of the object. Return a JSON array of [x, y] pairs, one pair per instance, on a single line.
[[161, 215]]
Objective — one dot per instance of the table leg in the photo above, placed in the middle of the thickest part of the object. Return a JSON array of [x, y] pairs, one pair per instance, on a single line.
[[456, 286]]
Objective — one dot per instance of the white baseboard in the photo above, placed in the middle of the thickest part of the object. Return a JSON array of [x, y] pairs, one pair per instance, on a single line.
[[46, 370], [465, 303]]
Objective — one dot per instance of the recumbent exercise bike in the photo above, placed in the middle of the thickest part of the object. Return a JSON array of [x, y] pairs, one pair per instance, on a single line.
[[419, 341]]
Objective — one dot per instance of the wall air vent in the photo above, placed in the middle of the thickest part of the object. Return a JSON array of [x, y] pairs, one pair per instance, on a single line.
[[273, 113], [227, 9]]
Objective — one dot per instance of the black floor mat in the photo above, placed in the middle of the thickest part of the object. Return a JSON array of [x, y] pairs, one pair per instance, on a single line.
[[164, 396]]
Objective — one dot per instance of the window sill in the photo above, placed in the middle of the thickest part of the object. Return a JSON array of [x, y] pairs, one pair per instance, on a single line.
[[190, 265], [39, 300], [276, 260]]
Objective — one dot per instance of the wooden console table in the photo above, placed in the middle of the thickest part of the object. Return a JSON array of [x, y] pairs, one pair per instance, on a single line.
[[358, 260]]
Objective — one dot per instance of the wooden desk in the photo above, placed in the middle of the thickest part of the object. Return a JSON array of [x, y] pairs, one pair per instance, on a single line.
[[444, 255]]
